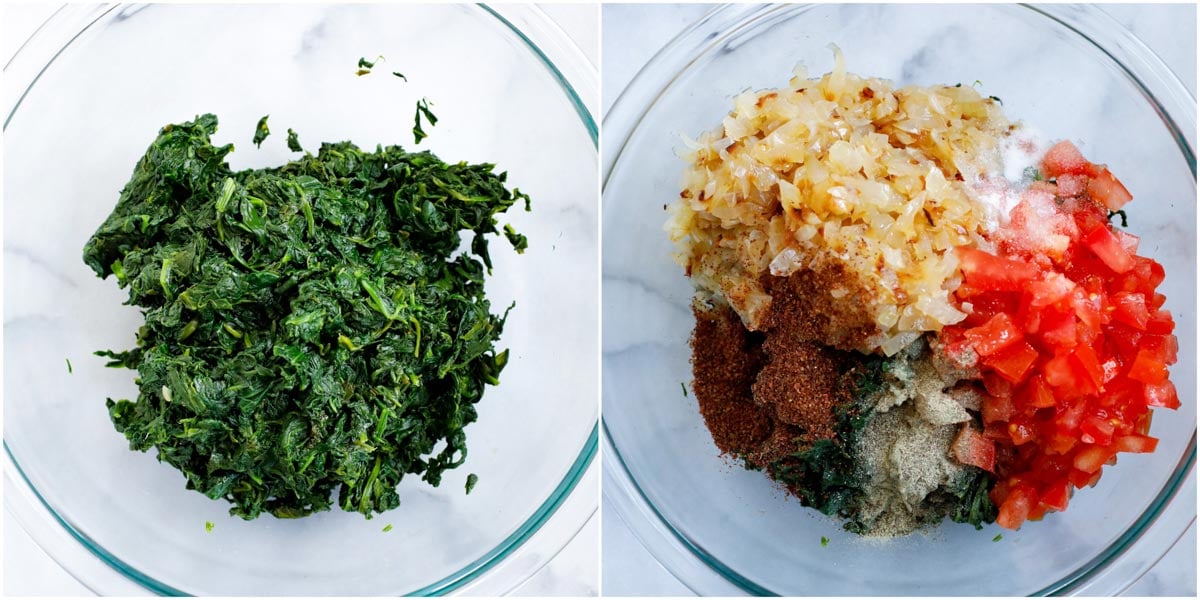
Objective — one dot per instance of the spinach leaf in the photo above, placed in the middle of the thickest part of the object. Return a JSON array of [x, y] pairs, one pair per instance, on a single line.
[[293, 141], [422, 110], [261, 131], [310, 329]]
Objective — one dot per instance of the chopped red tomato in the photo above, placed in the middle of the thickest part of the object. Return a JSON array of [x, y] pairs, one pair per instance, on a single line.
[[1108, 248], [1015, 508], [1064, 158], [993, 273], [1108, 190], [970, 447], [1073, 349], [995, 335]]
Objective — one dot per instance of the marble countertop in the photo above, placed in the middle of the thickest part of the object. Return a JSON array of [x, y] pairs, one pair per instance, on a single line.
[[28, 571], [632, 33]]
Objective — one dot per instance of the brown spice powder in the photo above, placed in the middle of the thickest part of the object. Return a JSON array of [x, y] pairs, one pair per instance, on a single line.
[[725, 360], [766, 395]]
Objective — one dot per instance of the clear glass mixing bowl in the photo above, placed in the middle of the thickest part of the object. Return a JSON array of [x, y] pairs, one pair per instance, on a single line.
[[1071, 72], [92, 88]]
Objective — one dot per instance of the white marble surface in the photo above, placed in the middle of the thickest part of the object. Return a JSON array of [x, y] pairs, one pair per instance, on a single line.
[[631, 36], [28, 571]]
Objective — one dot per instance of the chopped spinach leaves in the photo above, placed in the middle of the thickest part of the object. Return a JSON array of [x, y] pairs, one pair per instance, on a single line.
[[70, 369], [422, 110], [261, 131], [293, 141], [472, 479], [310, 329]]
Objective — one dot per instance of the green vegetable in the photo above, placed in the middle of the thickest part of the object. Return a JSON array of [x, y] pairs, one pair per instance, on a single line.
[[70, 369], [387, 528], [999, 536], [293, 141], [365, 66], [422, 109], [400, 75], [261, 131], [825, 475], [969, 499], [682, 385], [309, 329], [824, 541], [208, 526], [997, 99], [472, 479]]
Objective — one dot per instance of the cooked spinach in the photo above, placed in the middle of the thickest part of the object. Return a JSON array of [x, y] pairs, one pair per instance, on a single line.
[[422, 110], [261, 131], [309, 328], [293, 141]]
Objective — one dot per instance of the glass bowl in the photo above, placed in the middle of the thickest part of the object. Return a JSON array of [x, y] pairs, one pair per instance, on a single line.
[[1070, 72], [93, 87]]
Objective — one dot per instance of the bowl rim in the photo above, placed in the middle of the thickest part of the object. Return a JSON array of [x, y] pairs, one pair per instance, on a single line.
[[687, 561], [577, 77]]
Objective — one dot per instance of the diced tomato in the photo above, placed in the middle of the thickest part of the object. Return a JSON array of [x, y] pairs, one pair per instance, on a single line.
[[1058, 371], [970, 447], [991, 272], [1161, 395], [1147, 369], [1073, 342], [1136, 443], [995, 335], [1128, 241], [1036, 393], [1108, 248], [997, 409], [1051, 289], [1058, 329], [1107, 189], [1084, 359], [1013, 362], [1064, 158], [1160, 323], [1097, 430], [1162, 348], [1021, 433], [1130, 308], [1057, 495], [1016, 507], [1090, 458]]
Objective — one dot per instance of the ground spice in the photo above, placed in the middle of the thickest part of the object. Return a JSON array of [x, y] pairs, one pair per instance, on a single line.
[[766, 395], [725, 359]]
